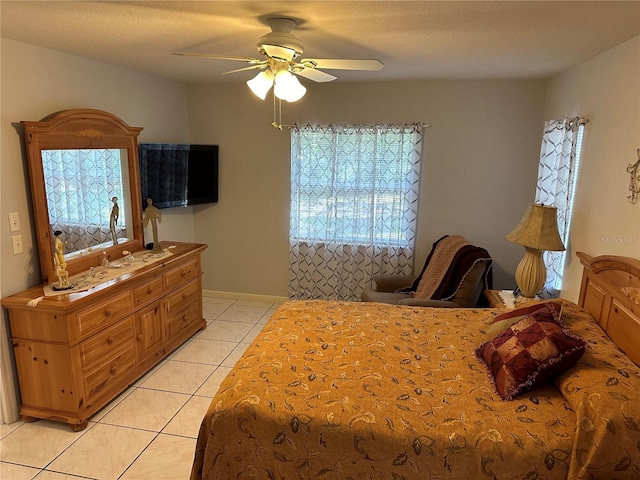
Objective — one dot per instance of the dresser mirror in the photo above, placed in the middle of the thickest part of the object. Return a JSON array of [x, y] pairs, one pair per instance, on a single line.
[[85, 187]]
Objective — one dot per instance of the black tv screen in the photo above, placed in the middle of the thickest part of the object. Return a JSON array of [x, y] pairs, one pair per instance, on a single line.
[[178, 175]]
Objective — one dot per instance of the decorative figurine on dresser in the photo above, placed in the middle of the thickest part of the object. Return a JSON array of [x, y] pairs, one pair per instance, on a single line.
[[60, 264], [77, 349], [153, 216]]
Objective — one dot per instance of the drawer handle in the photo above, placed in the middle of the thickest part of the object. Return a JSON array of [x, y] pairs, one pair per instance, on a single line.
[[114, 370], [183, 273], [150, 290], [110, 340], [107, 312], [184, 318], [139, 337], [185, 295]]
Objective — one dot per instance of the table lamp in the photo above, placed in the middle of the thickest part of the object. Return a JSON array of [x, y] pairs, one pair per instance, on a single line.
[[536, 232]]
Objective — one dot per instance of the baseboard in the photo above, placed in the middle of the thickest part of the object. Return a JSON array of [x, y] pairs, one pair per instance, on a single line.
[[247, 297]]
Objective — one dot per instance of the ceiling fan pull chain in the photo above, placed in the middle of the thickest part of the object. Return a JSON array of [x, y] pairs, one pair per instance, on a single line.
[[277, 113]]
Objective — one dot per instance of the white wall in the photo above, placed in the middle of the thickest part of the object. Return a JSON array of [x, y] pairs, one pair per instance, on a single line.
[[479, 171], [37, 82], [606, 90]]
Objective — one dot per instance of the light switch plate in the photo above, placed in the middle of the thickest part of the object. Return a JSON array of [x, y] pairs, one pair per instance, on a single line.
[[16, 240], [14, 222]]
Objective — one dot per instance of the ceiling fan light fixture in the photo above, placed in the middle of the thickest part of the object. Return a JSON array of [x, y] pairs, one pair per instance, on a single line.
[[261, 84], [288, 87]]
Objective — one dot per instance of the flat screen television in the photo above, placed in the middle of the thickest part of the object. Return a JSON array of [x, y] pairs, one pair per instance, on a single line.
[[177, 174]]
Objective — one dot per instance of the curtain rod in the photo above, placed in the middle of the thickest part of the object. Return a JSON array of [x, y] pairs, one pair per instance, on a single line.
[[569, 122], [280, 127], [580, 120]]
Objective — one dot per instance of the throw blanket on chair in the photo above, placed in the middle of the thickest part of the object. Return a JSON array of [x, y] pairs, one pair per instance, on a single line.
[[446, 267], [443, 253]]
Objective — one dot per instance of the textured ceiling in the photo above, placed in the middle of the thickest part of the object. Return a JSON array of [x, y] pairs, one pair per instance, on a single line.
[[414, 39]]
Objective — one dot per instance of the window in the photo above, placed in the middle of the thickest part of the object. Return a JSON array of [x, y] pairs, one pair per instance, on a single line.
[[76, 184], [355, 184], [557, 174], [354, 205]]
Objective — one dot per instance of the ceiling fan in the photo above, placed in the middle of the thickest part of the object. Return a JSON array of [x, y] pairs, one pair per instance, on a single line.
[[282, 50]]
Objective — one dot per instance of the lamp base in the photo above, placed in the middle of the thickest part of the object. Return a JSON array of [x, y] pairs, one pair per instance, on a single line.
[[531, 274], [522, 300]]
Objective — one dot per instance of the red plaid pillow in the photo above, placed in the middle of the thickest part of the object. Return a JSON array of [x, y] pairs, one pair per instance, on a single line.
[[530, 352], [506, 320]]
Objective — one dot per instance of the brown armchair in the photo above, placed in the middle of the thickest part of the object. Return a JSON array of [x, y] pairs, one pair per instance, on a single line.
[[457, 274]]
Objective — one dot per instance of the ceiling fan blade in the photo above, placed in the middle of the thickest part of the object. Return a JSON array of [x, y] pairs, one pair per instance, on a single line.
[[345, 64], [278, 52], [251, 67], [220, 57], [315, 75]]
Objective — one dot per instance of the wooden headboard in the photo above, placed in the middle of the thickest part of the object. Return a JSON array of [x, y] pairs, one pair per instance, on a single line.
[[610, 292]]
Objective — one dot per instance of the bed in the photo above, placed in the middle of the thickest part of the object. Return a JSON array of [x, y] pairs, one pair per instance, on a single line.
[[347, 390]]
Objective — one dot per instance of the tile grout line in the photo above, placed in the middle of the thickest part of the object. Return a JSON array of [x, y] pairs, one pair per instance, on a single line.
[[139, 455]]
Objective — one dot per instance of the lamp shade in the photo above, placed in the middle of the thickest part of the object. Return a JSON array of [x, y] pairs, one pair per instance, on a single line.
[[538, 229], [288, 87], [261, 83]]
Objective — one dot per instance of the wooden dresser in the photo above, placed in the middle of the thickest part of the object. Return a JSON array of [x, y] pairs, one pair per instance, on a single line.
[[76, 352]]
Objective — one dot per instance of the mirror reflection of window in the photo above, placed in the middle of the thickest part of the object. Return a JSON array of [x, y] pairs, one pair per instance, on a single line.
[[80, 186]]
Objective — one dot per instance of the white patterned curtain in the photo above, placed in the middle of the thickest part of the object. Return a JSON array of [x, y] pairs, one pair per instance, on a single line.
[[557, 173], [80, 185], [354, 206]]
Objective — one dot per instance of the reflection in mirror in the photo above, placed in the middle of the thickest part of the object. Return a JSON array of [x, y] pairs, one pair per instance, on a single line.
[[80, 160], [88, 197]]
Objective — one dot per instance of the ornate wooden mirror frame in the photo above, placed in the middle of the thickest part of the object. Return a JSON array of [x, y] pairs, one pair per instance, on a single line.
[[72, 130]]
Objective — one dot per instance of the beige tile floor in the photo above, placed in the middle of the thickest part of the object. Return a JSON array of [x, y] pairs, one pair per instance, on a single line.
[[149, 432]]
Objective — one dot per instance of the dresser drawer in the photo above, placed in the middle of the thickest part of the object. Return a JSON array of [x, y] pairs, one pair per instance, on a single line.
[[183, 297], [181, 273], [107, 344], [181, 320], [109, 373], [93, 318], [148, 291]]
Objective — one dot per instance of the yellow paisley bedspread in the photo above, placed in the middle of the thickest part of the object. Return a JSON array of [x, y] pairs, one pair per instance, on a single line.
[[339, 390]]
